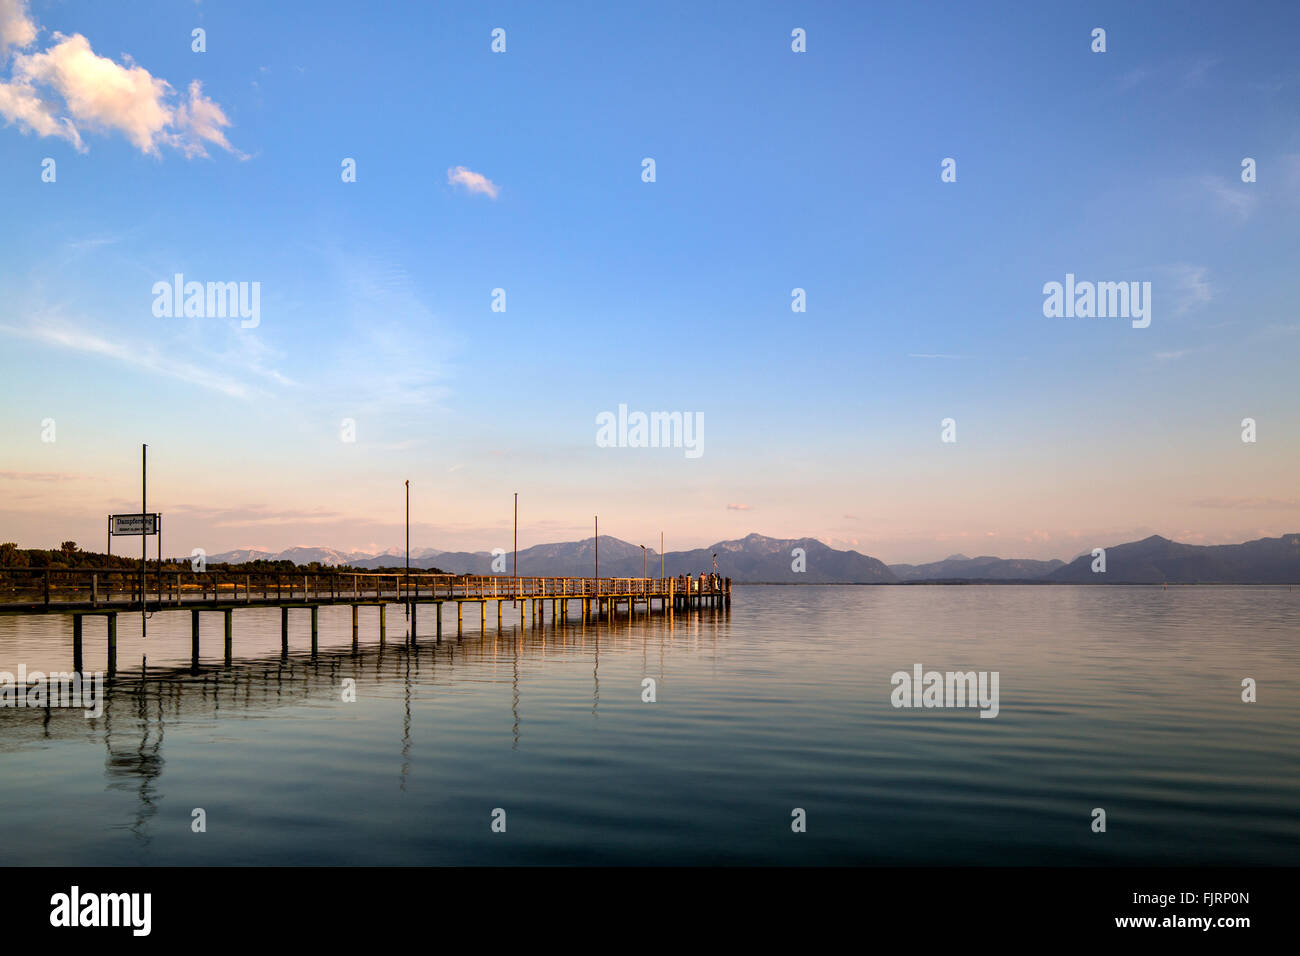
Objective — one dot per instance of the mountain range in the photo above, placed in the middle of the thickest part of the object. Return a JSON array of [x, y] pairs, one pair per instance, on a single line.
[[760, 559]]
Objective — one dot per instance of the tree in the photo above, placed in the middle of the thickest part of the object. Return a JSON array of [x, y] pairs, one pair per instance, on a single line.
[[69, 548]]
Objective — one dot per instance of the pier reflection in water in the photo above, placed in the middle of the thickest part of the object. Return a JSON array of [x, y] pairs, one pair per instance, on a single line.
[[447, 695]]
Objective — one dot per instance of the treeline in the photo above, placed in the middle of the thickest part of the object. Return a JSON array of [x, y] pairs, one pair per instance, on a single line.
[[70, 557]]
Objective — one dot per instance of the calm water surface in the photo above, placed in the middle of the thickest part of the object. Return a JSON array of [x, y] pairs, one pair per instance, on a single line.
[[1123, 698]]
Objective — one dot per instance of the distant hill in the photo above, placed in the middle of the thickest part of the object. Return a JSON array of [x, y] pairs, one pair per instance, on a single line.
[[960, 567], [1157, 560], [760, 559], [757, 559], [747, 560], [327, 556]]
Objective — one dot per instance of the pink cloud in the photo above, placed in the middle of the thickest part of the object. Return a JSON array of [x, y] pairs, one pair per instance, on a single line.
[[68, 88], [472, 181]]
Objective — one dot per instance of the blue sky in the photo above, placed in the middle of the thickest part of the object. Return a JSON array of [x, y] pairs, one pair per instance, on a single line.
[[774, 170]]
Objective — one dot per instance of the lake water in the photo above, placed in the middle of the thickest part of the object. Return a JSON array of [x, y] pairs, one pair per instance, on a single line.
[[1121, 698]]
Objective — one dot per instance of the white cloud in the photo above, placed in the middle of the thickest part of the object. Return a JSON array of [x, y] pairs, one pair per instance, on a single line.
[[203, 121], [472, 181], [17, 29], [68, 88]]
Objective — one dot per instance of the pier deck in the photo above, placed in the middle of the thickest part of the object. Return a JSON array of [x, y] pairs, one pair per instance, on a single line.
[[107, 593]]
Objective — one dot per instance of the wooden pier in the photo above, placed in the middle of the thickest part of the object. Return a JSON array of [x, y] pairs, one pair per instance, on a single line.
[[106, 593]]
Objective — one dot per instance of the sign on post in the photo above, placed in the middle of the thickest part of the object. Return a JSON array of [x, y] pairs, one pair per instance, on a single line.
[[137, 524]]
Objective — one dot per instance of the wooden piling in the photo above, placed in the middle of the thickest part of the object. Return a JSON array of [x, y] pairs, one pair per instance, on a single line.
[[230, 635], [112, 644], [194, 638], [314, 609], [76, 642]]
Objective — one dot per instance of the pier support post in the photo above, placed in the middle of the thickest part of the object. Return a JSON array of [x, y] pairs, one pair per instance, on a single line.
[[413, 620], [194, 639], [354, 627], [460, 618], [499, 603], [314, 609], [521, 614], [230, 634], [482, 617], [383, 621], [284, 631], [76, 642], [439, 622], [112, 644]]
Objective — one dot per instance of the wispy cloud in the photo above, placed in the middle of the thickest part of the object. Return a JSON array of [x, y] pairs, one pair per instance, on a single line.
[[739, 507], [1181, 287], [68, 88], [44, 476], [137, 355], [1234, 199], [253, 515], [1249, 503], [472, 181]]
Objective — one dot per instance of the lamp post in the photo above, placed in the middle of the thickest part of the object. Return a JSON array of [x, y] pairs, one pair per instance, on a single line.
[[408, 559], [144, 540]]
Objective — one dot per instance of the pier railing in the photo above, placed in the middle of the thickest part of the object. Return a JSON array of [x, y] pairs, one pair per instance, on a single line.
[[52, 588]]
